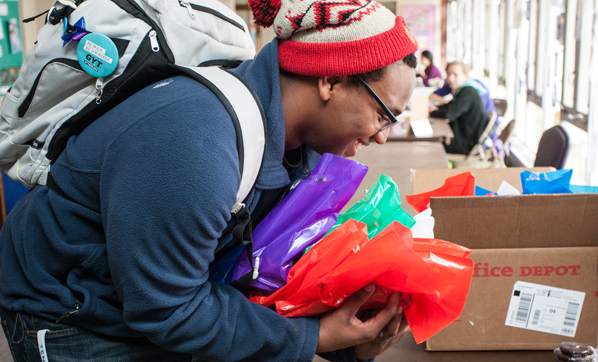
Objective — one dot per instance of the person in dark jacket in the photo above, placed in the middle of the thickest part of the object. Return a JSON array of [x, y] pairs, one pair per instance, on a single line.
[[465, 112], [116, 267]]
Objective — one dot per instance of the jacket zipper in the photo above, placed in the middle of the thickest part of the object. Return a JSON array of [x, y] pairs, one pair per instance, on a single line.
[[69, 313]]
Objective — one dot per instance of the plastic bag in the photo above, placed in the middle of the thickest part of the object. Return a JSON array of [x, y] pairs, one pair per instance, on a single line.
[[305, 215], [433, 275], [424, 225], [221, 269], [462, 184], [555, 182], [480, 191], [380, 206]]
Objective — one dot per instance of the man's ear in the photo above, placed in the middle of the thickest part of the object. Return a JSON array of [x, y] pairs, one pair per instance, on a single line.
[[327, 86]]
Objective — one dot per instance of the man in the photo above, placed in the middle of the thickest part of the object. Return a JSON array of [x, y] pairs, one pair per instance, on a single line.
[[118, 269], [465, 112], [439, 95]]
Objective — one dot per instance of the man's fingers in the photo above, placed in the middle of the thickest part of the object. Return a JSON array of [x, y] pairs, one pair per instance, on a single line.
[[393, 327], [404, 327], [381, 320], [355, 301]]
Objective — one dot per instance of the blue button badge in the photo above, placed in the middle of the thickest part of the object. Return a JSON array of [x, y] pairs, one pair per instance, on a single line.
[[97, 55]]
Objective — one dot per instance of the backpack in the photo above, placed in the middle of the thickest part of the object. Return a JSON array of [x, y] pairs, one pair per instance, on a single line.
[[93, 54]]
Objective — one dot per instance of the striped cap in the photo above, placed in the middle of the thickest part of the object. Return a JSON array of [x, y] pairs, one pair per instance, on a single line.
[[334, 37]]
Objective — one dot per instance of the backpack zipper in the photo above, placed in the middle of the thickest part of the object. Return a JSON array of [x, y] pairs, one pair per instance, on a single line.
[[186, 5], [153, 36], [205, 9], [24, 106], [99, 90]]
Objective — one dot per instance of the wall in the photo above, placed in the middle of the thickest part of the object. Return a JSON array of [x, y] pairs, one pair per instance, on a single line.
[[437, 48], [29, 8]]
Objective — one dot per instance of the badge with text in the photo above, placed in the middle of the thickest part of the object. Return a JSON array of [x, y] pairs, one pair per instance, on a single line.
[[545, 309], [97, 54]]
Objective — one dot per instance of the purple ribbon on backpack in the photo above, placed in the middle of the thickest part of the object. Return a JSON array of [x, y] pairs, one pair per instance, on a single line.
[[300, 220]]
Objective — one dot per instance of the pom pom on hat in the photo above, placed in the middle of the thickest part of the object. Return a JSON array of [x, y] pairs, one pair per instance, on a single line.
[[264, 11], [334, 37]]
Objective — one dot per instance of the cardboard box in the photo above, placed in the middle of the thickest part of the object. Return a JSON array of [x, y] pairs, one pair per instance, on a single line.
[[548, 240], [482, 323]]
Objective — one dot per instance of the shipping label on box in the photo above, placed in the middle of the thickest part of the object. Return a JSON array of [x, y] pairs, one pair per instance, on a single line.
[[544, 308]]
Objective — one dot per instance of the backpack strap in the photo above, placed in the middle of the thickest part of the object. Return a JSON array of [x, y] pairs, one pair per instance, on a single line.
[[248, 117], [246, 111]]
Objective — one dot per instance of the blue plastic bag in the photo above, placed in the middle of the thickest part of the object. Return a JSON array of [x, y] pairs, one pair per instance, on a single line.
[[480, 191], [221, 269], [555, 182]]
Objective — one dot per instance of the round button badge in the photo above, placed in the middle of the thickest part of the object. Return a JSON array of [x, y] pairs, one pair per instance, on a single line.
[[97, 55]]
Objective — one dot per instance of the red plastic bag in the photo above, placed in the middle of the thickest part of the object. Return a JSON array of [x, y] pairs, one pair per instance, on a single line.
[[433, 275], [462, 184]]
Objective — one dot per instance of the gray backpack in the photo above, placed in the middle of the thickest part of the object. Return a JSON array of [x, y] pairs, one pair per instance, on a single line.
[[57, 93]]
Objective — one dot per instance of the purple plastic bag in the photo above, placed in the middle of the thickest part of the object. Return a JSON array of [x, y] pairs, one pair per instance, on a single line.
[[303, 217]]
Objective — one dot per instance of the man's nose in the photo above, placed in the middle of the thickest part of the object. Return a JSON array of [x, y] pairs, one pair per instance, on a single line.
[[381, 136]]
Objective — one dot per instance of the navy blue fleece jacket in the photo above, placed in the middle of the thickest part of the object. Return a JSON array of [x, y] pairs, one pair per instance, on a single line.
[[153, 183]]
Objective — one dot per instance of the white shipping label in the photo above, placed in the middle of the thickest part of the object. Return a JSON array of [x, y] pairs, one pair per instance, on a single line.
[[545, 309]]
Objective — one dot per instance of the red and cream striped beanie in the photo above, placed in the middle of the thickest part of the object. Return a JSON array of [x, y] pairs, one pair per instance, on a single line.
[[334, 37]]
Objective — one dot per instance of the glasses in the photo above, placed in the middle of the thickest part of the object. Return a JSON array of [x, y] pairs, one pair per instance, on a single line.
[[391, 119]]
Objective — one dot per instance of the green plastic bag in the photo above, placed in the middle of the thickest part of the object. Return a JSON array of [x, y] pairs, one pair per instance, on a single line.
[[380, 206]]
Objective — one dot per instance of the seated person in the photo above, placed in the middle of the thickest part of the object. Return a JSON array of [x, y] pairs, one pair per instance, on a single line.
[[466, 112], [431, 75], [439, 95]]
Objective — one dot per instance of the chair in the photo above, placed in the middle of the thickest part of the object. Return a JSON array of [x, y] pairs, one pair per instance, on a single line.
[[553, 148], [479, 149], [500, 148], [501, 106], [492, 157]]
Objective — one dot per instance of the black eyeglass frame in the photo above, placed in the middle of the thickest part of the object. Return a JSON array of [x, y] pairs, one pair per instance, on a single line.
[[391, 117]]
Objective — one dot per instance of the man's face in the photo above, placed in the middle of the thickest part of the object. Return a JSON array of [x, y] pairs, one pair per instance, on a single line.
[[456, 76], [353, 118]]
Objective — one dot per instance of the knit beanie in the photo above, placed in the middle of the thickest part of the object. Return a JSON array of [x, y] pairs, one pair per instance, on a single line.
[[331, 38]]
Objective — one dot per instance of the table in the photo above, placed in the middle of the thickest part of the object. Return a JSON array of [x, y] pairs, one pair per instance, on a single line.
[[396, 159], [442, 132], [406, 350]]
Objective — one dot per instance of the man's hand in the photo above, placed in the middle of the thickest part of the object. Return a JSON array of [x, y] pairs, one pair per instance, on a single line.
[[394, 331], [341, 328]]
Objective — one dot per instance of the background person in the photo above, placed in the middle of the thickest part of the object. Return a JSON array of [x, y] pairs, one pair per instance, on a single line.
[[466, 112], [430, 74], [118, 269], [439, 96]]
